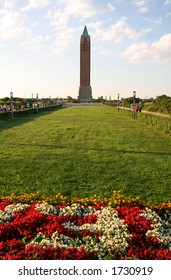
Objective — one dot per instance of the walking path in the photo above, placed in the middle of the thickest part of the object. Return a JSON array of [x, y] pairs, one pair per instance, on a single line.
[[151, 113], [157, 114]]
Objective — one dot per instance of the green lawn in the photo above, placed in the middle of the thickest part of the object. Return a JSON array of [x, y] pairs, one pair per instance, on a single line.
[[81, 151]]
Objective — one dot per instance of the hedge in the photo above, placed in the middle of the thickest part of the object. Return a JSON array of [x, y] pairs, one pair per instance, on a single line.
[[26, 112]]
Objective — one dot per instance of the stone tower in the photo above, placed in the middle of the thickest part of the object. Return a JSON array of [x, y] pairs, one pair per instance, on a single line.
[[85, 92]]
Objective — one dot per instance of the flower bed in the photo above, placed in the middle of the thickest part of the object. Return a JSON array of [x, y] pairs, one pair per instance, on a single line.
[[70, 228]]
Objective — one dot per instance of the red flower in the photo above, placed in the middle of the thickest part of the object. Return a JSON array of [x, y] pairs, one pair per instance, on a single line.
[[26, 224]]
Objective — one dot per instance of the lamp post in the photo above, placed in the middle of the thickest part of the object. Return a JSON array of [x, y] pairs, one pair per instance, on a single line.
[[110, 100], [134, 96], [37, 96], [12, 112], [118, 102], [49, 102], [105, 100]]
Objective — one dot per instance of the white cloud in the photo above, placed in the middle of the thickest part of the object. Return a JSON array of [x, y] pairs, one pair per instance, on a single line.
[[97, 24], [121, 29], [111, 7], [154, 21], [118, 30], [85, 9], [9, 4], [35, 4], [58, 19], [162, 48], [142, 5], [35, 43], [63, 40], [77, 8], [101, 50], [159, 20], [167, 2], [168, 14], [97, 29], [138, 52], [12, 24], [158, 51]]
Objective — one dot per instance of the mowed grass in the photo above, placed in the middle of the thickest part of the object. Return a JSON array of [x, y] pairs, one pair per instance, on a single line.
[[82, 151]]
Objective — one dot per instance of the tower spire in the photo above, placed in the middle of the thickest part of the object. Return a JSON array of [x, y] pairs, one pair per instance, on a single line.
[[85, 32]]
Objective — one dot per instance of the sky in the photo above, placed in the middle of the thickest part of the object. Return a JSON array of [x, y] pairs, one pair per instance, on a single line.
[[40, 47]]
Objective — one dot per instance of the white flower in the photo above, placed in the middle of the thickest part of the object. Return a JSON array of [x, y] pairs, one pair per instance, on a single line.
[[160, 228], [76, 209], [10, 210], [113, 232], [46, 209]]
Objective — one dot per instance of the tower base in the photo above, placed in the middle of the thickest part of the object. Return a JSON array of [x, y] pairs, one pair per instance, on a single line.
[[85, 93]]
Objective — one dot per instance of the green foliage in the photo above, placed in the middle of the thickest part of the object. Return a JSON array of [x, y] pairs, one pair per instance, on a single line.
[[160, 104], [128, 101], [161, 123]]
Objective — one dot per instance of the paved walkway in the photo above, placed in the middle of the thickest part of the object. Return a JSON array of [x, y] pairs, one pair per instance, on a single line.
[[83, 104]]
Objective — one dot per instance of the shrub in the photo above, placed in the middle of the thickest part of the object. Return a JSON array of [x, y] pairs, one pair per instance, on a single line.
[[26, 112]]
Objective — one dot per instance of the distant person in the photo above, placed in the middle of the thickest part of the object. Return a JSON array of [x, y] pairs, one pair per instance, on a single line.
[[4, 107], [136, 108], [140, 108]]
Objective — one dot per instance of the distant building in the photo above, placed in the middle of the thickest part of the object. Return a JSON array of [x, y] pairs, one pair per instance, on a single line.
[[85, 91]]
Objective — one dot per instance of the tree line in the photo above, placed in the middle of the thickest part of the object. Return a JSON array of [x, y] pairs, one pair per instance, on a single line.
[[160, 104]]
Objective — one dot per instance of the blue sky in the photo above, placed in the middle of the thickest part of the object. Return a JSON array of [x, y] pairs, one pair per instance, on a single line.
[[130, 47]]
